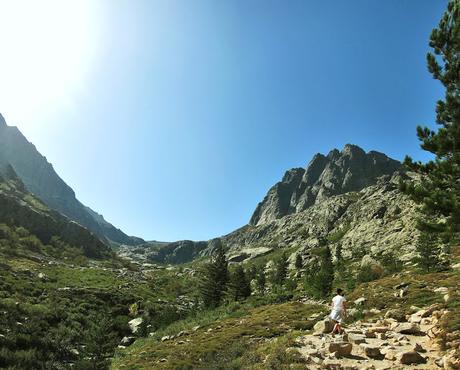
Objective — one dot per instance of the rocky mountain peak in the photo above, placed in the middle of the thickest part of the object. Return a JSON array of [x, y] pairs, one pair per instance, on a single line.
[[350, 169]]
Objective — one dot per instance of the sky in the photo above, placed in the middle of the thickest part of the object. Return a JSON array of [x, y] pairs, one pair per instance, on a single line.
[[173, 118]]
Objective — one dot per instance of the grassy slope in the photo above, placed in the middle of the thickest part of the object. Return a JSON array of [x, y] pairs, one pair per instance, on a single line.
[[247, 327]]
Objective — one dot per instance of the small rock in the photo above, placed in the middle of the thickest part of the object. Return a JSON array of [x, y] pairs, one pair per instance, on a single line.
[[403, 292], [360, 301], [75, 352], [418, 348], [135, 323], [371, 351], [127, 341], [342, 348], [390, 355], [400, 286], [442, 290], [163, 360], [381, 336], [410, 357], [356, 338], [378, 329], [165, 338], [195, 328]]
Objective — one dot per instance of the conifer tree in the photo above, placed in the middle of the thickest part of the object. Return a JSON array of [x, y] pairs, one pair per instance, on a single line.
[[214, 279], [320, 276], [239, 285], [281, 269], [261, 279], [439, 191], [429, 249]]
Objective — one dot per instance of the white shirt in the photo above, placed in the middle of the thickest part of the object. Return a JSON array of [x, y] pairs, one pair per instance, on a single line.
[[337, 302]]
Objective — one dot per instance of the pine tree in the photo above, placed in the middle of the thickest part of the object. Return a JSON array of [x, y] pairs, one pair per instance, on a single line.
[[319, 277], [239, 285], [429, 250], [281, 268], [439, 191], [261, 279], [214, 279]]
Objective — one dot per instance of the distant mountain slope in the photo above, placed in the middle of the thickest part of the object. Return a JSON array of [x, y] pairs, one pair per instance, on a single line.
[[19, 208], [40, 179], [351, 169]]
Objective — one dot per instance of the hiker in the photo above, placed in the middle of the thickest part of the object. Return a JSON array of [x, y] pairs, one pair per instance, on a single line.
[[339, 311]]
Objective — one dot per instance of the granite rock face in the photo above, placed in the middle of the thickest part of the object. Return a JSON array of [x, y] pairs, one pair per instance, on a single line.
[[339, 172], [40, 178]]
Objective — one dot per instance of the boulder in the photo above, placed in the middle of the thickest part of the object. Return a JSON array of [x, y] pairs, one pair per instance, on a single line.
[[360, 301], [408, 328], [341, 348], [356, 338], [396, 314], [323, 327], [390, 355], [127, 341], [371, 351], [410, 357], [134, 324]]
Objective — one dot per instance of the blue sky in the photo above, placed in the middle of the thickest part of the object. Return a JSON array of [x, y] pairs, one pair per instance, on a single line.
[[188, 111]]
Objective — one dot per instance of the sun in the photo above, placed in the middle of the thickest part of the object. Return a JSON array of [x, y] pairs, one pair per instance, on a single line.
[[46, 51]]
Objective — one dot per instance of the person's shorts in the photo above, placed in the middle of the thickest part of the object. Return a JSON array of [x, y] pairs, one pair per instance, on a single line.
[[337, 316]]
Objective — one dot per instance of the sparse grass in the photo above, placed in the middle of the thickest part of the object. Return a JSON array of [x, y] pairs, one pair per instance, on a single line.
[[256, 326]]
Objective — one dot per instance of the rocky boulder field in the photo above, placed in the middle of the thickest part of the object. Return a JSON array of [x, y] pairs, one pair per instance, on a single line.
[[391, 342]]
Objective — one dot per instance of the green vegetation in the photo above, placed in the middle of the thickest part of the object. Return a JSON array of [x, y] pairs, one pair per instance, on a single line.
[[439, 188], [219, 343], [214, 279], [320, 275]]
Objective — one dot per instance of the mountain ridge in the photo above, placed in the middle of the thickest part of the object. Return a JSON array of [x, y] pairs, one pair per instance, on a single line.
[[350, 169], [41, 179]]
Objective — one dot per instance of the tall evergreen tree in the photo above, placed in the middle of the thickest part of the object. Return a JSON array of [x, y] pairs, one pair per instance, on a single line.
[[261, 279], [281, 269], [319, 277], [439, 190], [214, 279], [239, 285], [429, 249]]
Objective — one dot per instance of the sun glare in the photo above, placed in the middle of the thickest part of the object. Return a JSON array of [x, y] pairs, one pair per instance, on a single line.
[[46, 51]]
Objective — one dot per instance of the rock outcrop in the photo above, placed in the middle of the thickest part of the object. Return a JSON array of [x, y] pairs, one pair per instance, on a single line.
[[41, 179], [339, 172]]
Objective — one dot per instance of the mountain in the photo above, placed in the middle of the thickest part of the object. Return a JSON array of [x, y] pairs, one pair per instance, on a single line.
[[20, 209], [348, 197], [351, 169], [41, 179]]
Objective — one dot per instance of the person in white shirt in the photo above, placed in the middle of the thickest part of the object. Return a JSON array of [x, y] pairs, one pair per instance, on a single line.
[[339, 311]]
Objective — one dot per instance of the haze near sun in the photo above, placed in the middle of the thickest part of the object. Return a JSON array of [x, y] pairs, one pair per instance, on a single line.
[[47, 47]]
